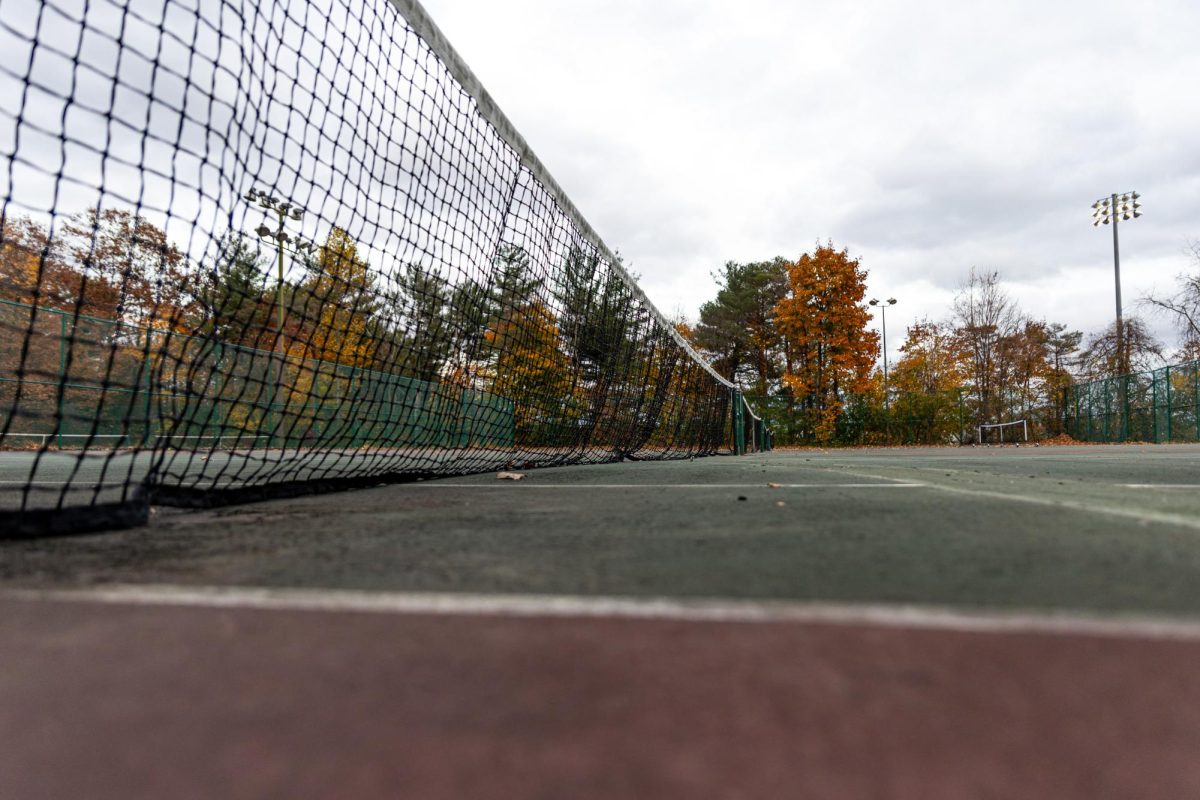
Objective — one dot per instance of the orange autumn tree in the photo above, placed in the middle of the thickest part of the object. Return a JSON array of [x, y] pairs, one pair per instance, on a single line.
[[531, 369], [339, 304], [824, 321], [926, 383], [930, 360]]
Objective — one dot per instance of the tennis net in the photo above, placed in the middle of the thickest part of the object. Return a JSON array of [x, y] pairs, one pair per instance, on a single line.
[[254, 249]]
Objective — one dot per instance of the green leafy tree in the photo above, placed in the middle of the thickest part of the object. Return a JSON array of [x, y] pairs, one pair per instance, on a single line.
[[427, 335], [738, 328], [236, 309], [599, 323]]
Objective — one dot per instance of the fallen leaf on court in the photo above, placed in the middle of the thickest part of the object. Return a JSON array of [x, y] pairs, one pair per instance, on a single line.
[[774, 485], [509, 476]]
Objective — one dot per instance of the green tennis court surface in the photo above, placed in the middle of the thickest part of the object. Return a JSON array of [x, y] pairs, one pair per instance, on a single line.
[[1089, 528]]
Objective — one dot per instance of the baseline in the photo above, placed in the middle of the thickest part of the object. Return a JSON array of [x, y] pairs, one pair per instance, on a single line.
[[662, 608]]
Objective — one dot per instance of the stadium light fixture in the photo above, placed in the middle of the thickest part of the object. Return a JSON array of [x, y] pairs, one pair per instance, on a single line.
[[883, 305], [284, 211], [1105, 211]]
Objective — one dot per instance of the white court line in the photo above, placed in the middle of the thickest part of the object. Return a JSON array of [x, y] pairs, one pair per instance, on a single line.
[[1059, 503], [557, 606], [77, 485], [524, 485], [1160, 485]]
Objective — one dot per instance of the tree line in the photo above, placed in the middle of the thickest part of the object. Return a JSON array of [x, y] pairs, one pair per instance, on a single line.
[[566, 344], [799, 334]]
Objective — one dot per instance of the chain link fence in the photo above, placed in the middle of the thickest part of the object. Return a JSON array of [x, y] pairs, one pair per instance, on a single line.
[[936, 419], [1158, 406], [96, 383]]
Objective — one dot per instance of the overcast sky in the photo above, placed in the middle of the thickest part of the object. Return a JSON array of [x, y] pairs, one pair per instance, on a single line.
[[926, 137]]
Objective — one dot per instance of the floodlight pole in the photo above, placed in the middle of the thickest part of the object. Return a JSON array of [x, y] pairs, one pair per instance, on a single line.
[[284, 211], [883, 304], [1122, 361], [1108, 210]]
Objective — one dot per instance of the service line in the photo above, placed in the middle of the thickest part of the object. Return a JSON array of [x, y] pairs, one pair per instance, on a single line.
[[524, 485]]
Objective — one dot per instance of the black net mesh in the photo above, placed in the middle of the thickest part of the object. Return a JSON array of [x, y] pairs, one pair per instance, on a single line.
[[251, 249]]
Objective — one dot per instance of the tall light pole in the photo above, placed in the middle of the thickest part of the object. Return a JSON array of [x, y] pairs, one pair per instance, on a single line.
[[883, 304], [284, 211], [1105, 211]]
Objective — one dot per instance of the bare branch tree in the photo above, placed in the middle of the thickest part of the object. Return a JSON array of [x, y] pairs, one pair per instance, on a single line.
[[984, 316], [1100, 359], [1183, 305]]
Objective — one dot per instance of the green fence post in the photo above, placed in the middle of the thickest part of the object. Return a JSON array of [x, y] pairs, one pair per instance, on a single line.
[[1107, 410], [1128, 409], [354, 416], [1168, 373], [315, 403], [215, 416], [1153, 409], [270, 415], [149, 387], [62, 377], [1091, 409], [1075, 432], [962, 429]]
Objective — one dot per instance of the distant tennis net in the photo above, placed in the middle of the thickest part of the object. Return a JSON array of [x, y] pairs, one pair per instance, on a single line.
[[255, 249]]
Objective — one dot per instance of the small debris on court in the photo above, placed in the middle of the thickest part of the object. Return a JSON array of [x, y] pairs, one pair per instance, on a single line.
[[509, 476], [774, 485]]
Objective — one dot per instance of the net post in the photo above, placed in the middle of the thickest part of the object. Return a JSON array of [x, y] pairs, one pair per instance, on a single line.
[[739, 427]]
